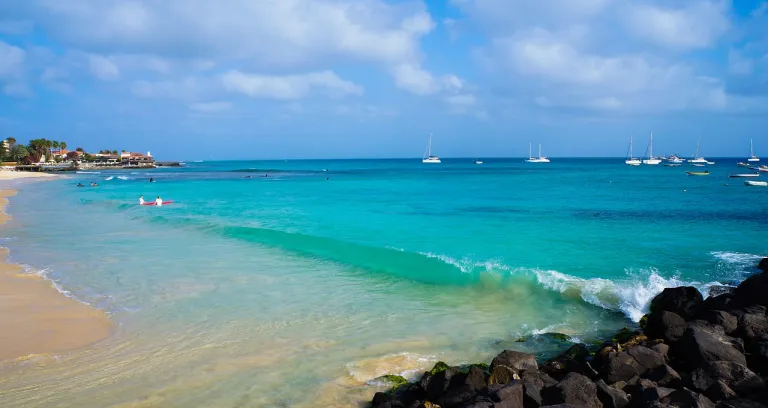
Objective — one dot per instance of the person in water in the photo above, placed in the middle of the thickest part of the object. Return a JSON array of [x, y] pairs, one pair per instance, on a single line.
[[159, 201], [151, 180], [94, 185], [141, 200], [80, 185]]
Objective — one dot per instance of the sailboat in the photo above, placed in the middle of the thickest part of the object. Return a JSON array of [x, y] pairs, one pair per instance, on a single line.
[[752, 157], [696, 158], [651, 159], [631, 160], [540, 159], [428, 158]]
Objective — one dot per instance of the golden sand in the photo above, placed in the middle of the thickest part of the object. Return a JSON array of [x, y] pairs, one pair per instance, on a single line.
[[37, 319], [12, 175]]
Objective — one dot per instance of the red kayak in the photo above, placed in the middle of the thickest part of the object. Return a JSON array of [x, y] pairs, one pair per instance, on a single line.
[[164, 203]]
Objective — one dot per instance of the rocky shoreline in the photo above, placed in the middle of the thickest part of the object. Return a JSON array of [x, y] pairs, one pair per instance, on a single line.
[[691, 352]]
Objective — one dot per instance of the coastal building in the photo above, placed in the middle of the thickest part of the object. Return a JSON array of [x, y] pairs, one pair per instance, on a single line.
[[6, 145], [137, 159]]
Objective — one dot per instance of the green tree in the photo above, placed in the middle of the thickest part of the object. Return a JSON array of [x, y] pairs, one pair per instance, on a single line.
[[11, 141], [79, 149], [63, 145], [56, 145], [19, 153]]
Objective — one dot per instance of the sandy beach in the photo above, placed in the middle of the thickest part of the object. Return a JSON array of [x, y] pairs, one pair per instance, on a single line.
[[14, 175], [35, 318]]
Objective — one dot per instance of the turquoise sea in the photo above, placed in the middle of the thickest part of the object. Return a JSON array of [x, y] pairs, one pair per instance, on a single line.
[[300, 288]]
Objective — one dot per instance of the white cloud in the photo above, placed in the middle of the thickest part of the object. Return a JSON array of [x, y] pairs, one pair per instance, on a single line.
[[211, 107], [696, 25], [413, 78], [289, 87], [103, 68], [187, 89], [738, 64], [461, 100], [12, 60]]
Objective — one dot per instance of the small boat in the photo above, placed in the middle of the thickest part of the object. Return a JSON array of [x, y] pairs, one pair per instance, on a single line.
[[675, 159], [672, 164], [428, 157], [696, 158], [756, 183], [540, 159], [763, 168], [742, 164], [698, 173], [698, 165], [651, 159], [476, 161], [709, 162], [744, 175], [631, 161], [752, 157]]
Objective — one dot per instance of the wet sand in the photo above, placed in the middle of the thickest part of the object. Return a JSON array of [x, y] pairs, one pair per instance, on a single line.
[[35, 318]]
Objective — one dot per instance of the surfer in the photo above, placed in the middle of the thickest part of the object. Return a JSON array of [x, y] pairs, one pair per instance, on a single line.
[[141, 200], [159, 201]]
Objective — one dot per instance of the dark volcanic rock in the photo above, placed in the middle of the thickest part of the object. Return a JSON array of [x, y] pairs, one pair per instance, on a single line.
[[683, 301], [665, 325], [435, 385], [502, 374], [665, 376], [575, 389], [716, 290], [455, 397], [573, 360], [740, 403], [511, 395], [699, 346], [757, 359], [753, 290], [719, 391], [515, 359], [475, 379], [611, 397], [646, 357], [687, 399], [533, 382], [721, 302], [728, 321], [621, 367], [753, 326], [763, 265], [736, 376], [662, 349]]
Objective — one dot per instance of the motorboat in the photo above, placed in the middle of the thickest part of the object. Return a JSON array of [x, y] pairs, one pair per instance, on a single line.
[[698, 173], [744, 175], [756, 183]]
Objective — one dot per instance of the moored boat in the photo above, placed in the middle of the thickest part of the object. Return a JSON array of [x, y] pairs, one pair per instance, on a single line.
[[698, 173], [756, 183], [631, 161], [744, 175]]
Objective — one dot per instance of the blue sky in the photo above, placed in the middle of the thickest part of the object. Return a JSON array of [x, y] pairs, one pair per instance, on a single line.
[[195, 79]]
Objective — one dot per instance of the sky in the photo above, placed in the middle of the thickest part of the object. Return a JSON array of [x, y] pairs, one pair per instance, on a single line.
[[275, 79]]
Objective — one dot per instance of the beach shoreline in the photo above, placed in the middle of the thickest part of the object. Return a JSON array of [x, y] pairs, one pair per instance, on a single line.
[[15, 175], [37, 319]]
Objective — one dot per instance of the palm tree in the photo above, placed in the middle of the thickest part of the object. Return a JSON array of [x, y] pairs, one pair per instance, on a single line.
[[18, 153], [56, 145], [11, 142], [63, 145]]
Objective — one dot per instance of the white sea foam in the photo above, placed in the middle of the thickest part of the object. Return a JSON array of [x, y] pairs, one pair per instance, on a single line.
[[123, 177], [738, 258], [630, 294], [109, 178]]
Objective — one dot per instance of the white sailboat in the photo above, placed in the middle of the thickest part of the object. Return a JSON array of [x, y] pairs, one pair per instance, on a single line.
[[428, 158], [540, 159], [651, 159], [752, 157], [696, 158], [631, 160]]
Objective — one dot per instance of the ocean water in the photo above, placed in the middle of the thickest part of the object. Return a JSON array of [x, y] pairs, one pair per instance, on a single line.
[[298, 289]]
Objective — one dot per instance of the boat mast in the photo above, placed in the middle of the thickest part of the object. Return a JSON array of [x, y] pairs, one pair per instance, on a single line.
[[650, 147], [539, 150], [630, 147], [751, 151]]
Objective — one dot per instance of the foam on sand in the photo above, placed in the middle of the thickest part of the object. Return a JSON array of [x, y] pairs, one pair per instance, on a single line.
[[36, 318]]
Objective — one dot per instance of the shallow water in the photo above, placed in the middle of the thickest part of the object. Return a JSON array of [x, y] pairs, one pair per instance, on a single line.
[[299, 288]]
